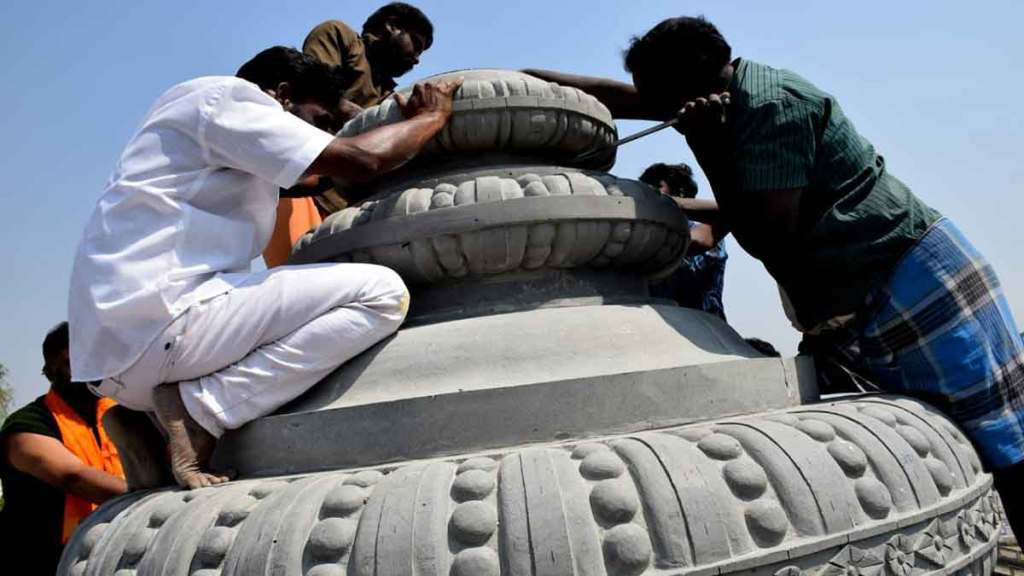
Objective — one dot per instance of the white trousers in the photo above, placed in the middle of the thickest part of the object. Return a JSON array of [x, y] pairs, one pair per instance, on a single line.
[[243, 354]]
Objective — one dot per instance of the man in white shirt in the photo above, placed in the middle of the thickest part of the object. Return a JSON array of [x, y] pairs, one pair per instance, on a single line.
[[164, 312]]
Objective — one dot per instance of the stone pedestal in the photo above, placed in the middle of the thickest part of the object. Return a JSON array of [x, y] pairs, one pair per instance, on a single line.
[[540, 413]]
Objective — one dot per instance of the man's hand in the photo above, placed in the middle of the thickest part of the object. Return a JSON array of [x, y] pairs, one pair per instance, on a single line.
[[703, 114], [704, 237], [366, 156], [346, 111], [429, 98], [307, 186]]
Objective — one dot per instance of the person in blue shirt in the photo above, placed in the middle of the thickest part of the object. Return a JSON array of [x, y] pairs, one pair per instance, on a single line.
[[700, 278]]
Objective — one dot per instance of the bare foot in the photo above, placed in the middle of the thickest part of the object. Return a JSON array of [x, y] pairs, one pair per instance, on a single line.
[[191, 446]]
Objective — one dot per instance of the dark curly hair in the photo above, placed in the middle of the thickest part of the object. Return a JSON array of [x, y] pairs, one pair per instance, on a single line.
[[679, 178], [683, 49], [404, 16], [56, 341], [309, 79]]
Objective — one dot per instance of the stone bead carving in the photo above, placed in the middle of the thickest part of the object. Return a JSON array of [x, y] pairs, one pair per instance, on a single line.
[[767, 523], [344, 500], [745, 478], [331, 538], [601, 465], [505, 112], [720, 447], [613, 502], [832, 488], [627, 549], [874, 497], [473, 522], [581, 451], [480, 561], [477, 464], [849, 457], [472, 485], [498, 222]]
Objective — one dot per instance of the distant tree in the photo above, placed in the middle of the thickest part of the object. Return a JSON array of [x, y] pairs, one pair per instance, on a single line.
[[6, 394], [6, 399]]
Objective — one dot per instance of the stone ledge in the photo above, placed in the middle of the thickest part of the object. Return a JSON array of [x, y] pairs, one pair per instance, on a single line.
[[447, 424]]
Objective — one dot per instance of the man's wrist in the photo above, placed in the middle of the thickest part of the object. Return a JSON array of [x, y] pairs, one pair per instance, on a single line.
[[435, 117]]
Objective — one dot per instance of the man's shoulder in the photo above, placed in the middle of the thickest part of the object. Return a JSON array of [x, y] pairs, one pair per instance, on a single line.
[[202, 88], [334, 28], [205, 83], [760, 85], [34, 418], [205, 94]]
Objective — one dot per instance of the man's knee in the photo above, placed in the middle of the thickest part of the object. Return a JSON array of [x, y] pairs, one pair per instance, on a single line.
[[387, 294]]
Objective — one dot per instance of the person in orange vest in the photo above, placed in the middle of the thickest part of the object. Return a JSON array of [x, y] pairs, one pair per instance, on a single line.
[[56, 462]]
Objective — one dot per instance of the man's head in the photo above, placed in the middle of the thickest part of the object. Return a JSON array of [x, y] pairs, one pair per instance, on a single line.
[[56, 363], [678, 60], [302, 84], [396, 34], [671, 179]]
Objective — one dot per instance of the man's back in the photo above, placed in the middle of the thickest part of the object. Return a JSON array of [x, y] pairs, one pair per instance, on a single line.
[[192, 200], [855, 219], [336, 43], [698, 282]]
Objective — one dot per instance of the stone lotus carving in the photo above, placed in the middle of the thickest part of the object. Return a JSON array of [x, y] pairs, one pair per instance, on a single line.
[[510, 113], [770, 495], [500, 221]]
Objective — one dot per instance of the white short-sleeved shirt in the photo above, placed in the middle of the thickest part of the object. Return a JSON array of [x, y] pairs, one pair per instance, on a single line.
[[190, 204]]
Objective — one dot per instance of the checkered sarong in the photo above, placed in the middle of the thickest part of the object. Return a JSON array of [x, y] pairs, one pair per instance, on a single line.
[[942, 330]]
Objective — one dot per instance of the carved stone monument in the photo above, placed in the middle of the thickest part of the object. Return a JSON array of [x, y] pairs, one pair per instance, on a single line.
[[540, 414]]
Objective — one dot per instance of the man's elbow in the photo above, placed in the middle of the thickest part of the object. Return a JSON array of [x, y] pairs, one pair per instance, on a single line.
[[359, 165], [72, 479], [369, 167]]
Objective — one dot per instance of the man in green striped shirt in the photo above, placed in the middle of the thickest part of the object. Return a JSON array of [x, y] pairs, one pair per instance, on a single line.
[[891, 287]]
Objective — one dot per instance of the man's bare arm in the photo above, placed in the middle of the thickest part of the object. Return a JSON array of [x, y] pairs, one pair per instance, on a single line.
[[699, 209], [622, 99], [47, 459], [704, 237], [367, 156], [766, 223]]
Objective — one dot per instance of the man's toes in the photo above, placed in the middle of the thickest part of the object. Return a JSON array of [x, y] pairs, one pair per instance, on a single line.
[[194, 481]]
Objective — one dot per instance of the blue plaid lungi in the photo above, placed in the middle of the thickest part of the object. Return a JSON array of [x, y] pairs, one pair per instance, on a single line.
[[942, 330]]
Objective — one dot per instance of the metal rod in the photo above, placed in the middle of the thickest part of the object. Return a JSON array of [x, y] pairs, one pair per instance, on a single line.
[[631, 137], [645, 132]]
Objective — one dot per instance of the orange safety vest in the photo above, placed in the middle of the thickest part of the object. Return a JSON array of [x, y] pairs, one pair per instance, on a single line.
[[295, 217], [79, 439]]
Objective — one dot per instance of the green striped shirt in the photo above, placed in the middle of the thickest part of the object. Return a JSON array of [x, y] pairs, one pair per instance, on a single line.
[[855, 219]]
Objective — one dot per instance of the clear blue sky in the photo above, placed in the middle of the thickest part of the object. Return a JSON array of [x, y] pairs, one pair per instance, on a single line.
[[936, 86]]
